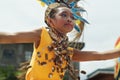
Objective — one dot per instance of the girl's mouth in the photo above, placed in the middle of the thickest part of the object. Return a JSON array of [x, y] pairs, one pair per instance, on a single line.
[[68, 24]]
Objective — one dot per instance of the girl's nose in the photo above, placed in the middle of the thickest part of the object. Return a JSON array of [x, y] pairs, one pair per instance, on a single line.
[[69, 19]]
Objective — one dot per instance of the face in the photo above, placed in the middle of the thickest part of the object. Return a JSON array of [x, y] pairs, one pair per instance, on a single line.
[[63, 20]]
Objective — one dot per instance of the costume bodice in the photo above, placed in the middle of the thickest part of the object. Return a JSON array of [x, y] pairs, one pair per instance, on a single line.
[[43, 64]]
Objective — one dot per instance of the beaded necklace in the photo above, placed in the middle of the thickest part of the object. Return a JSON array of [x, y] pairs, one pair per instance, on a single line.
[[60, 46]]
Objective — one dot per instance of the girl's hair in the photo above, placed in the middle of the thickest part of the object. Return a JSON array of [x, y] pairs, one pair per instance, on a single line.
[[52, 9]]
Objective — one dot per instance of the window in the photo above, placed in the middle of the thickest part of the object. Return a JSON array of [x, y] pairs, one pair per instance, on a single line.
[[8, 54], [28, 55]]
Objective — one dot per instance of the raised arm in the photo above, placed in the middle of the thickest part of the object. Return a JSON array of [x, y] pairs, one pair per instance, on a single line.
[[20, 37], [94, 56]]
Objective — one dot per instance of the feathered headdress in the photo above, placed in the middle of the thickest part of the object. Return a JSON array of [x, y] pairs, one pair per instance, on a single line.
[[72, 4]]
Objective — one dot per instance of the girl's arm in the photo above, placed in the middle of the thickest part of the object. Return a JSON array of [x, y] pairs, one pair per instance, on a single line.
[[93, 55], [20, 37]]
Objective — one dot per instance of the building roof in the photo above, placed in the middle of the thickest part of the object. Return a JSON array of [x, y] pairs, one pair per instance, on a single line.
[[109, 70]]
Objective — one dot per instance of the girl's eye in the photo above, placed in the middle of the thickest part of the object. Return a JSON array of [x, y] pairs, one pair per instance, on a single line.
[[64, 15], [73, 18]]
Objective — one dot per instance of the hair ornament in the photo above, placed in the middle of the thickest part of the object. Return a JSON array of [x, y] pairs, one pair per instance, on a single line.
[[77, 28], [72, 5]]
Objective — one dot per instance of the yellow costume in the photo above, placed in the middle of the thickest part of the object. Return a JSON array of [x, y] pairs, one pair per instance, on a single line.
[[42, 63], [53, 56]]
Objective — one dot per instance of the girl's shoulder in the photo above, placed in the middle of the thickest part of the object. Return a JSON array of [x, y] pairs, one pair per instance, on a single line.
[[40, 30]]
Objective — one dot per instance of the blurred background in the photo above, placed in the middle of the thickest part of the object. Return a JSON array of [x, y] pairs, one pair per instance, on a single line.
[[100, 35]]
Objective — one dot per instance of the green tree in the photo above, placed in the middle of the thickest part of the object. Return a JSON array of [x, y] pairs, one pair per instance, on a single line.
[[8, 73]]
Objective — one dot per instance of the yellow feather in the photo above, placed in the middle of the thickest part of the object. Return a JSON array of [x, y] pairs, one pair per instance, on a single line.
[[41, 3], [77, 22]]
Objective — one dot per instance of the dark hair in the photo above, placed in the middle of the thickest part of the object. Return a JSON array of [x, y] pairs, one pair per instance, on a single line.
[[52, 10], [55, 10]]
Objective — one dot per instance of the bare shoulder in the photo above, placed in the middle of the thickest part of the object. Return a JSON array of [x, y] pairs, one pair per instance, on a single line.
[[31, 33], [37, 31]]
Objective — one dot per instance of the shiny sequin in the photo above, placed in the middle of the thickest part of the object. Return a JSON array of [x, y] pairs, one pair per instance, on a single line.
[[61, 70], [53, 69], [38, 62], [46, 56], [61, 76], [50, 75], [43, 63], [38, 54], [50, 48]]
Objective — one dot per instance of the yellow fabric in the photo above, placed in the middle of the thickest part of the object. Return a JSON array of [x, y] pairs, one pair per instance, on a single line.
[[41, 72], [117, 66]]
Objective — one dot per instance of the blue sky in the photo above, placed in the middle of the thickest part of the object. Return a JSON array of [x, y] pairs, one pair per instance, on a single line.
[[99, 35]]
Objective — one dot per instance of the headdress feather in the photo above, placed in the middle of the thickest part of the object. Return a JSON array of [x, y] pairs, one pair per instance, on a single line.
[[72, 4]]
